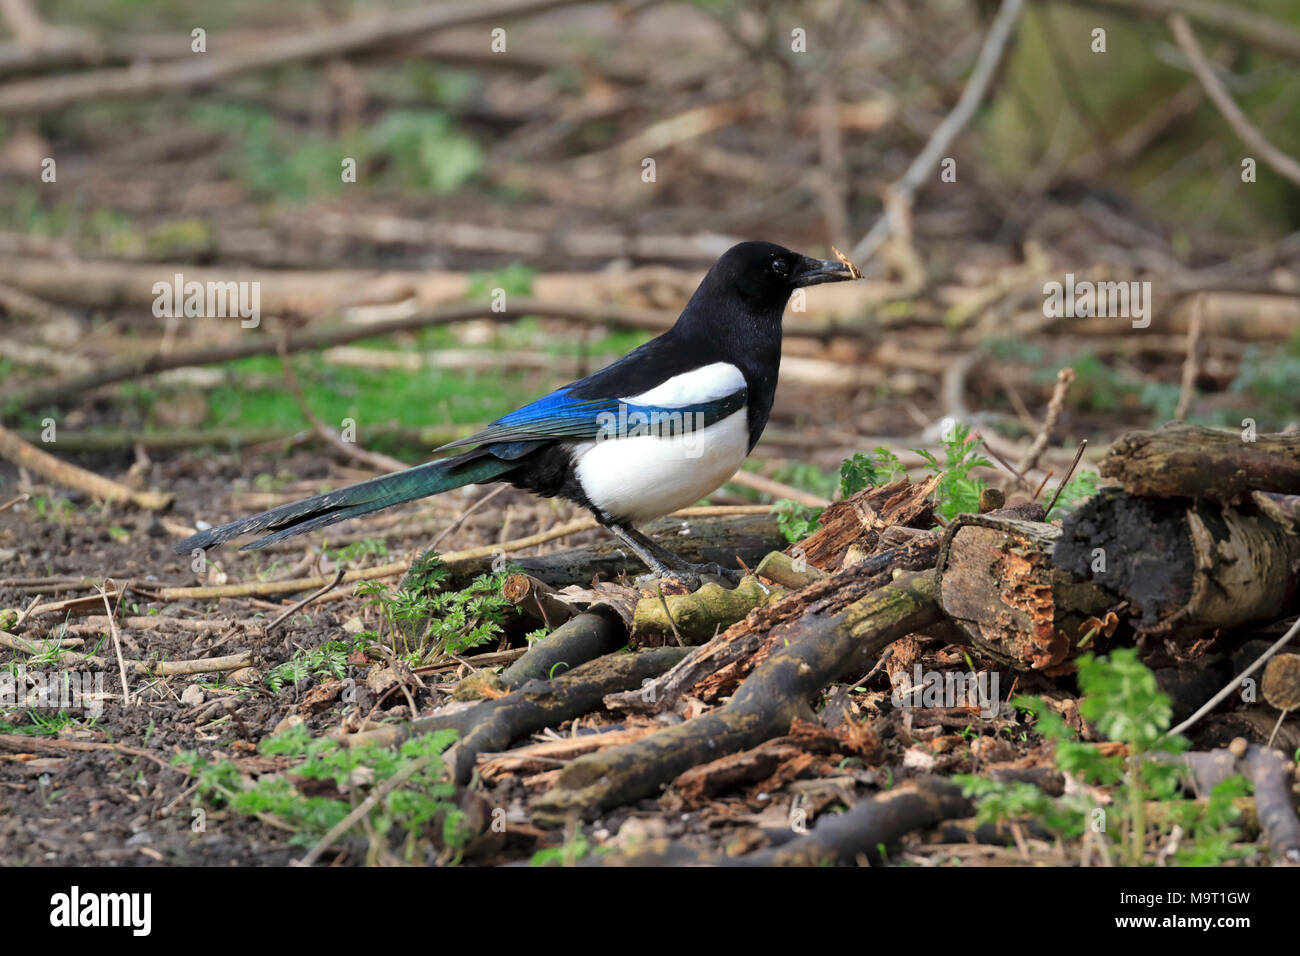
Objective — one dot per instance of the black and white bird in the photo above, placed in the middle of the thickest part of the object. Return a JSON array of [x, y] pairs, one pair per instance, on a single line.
[[655, 431]]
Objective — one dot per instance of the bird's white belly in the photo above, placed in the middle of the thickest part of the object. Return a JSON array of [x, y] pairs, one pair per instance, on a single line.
[[648, 476]]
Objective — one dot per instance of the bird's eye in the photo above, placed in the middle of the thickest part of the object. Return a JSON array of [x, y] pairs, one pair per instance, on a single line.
[[781, 267]]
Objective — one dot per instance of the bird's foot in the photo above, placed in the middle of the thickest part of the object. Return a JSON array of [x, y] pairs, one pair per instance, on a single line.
[[693, 576]]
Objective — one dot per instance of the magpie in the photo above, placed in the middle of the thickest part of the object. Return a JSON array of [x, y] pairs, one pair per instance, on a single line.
[[655, 431]]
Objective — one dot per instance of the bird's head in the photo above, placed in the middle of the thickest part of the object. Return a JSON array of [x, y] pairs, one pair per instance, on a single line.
[[767, 274]]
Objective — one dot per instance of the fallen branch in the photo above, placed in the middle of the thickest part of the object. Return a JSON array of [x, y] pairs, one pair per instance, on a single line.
[[696, 617], [812, 651], [1270, 774], [597, 631], [61, 472]]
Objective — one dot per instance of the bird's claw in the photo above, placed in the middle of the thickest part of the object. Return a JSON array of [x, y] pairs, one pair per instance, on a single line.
[[692, 575]]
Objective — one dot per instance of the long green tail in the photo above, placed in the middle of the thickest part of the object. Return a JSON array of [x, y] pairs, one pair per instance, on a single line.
[[376, 494]]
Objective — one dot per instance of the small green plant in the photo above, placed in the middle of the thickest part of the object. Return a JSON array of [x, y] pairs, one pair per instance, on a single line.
[[420, 808], [796, 521], [880, 467], [958, 492], [430, 623], [1121, 699], [568, 853], [326, 660]]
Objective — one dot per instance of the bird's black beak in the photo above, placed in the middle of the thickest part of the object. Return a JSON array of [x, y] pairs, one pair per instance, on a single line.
[[817, 271]]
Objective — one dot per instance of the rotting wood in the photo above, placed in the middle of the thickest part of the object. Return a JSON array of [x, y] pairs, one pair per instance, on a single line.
[[998, 583], [860, 518], [1182, 565]]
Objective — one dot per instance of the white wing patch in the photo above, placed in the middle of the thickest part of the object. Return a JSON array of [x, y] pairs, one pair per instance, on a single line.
[[703, 384]]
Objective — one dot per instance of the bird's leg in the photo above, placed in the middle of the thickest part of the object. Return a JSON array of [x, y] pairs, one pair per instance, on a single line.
[[666, 564]]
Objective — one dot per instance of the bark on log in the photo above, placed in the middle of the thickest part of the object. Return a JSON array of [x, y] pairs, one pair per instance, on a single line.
[[1181, 564], [699, 616], [493, 724], [811, 652], [1210, 464], [998, 583]]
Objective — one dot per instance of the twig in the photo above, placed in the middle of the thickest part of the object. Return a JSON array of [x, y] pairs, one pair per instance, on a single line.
[[117, 642], [905, 188], [669, 614], [21, 743], [1235, 683], [338, 576], [28, 456], [1064, 379], [483, 499], [1281, 163], [1078, 454], [779, 489], [1191, 364], [13, 501]]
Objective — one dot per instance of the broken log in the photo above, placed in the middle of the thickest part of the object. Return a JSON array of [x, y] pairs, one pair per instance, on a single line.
[[997, 582], [860, 519], [808, 653], [537, 599], [1182, 564], [1210, 464], [492, 724]]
